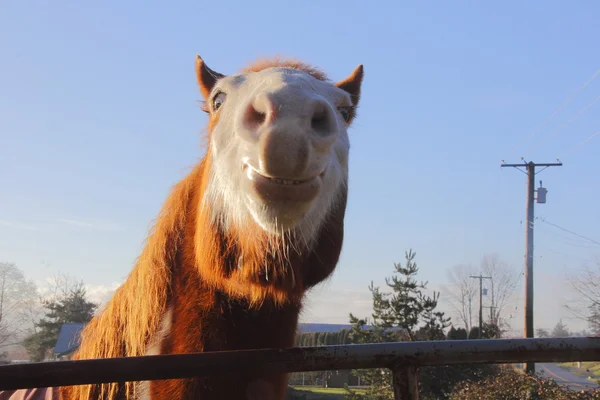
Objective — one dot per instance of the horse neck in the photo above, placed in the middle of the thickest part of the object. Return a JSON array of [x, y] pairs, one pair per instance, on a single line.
[[200, 317], [203, 318]]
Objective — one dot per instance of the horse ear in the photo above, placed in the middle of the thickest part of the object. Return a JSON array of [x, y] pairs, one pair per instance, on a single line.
[[207, 78], [352, 84]]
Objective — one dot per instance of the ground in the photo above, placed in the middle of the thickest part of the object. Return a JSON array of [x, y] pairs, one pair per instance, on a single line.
[[567, 374], [589, 369], [318, 393]]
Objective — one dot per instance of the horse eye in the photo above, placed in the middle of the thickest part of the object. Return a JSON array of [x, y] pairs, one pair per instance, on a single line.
[[345, 111], [218, 100]]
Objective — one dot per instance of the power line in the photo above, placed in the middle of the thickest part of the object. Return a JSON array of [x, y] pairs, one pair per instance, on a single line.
[[566, 239], [568, 231], [557, 110], [553, 133], [579, 145], [569, 256]]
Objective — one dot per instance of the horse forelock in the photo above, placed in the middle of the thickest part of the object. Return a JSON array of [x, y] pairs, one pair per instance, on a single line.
[[280, 62]]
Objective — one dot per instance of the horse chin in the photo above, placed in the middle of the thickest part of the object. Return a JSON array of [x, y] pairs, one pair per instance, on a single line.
[[279, 218], [281, 207]]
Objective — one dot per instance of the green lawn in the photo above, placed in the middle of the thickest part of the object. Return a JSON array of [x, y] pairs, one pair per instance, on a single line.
[[592, 367], [321, 393]]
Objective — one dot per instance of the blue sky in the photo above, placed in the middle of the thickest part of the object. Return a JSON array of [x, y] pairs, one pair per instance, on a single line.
[[99, 117]]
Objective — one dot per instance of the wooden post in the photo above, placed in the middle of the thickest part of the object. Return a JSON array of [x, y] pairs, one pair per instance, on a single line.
[[406, 383]]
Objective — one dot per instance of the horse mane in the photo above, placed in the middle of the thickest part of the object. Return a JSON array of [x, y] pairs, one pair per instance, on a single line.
[[133, 316]]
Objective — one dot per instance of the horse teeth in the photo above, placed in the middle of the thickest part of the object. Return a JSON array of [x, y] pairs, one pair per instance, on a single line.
[[285, 181]]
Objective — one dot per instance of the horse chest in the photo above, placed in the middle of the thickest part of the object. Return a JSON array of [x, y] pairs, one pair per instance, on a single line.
[[227, 325], [230, 325]]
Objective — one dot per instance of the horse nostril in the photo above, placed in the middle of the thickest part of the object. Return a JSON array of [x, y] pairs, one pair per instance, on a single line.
[[321, 119], [320, 123], [254, 118], [259, 111]]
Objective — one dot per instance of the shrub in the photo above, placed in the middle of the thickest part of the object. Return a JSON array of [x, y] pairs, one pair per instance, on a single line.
[[510, 384]]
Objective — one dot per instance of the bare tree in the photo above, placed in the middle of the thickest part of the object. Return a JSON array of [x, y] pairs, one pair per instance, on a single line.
[[463, 293], [58, 287], [61, 285], [585, 284], [17, 299], [560, 330], [502, 285], [464, 290]]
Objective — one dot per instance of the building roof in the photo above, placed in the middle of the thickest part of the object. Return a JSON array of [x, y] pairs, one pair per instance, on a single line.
[[68, 338]]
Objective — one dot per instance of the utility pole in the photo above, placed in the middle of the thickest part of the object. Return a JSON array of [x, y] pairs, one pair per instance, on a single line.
[[481, 278], [530, 171]]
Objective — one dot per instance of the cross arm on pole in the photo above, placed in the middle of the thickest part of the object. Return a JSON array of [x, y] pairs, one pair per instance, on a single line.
[[502, 165]]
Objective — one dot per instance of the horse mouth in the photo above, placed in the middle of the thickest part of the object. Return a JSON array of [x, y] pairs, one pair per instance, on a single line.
[[283, 189]]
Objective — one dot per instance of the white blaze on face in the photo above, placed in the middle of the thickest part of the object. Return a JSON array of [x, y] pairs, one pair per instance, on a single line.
[[279, 150]]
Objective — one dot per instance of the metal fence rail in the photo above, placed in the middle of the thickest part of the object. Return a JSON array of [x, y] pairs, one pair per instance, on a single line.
[[403, 358]]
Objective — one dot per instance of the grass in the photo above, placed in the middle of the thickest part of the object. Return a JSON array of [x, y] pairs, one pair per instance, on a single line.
[[321, 390], [321, 393], [589, 370]]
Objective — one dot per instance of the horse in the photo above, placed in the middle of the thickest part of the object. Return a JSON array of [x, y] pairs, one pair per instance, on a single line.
[[239, 241]]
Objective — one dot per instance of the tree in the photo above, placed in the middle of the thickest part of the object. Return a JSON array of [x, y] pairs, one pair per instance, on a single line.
[[542, 333], [560, 330], [593, 319], [581, 333], [586, 286], [457, 334], [16, 296], [69, 305], [512, 384], [464, 292], [406, 313], [502, 285], [490, 331]]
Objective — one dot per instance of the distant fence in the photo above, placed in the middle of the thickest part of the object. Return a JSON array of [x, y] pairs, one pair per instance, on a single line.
[[403, 358]]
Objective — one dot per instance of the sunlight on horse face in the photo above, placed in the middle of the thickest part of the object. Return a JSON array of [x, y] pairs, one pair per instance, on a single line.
[[279, 147]]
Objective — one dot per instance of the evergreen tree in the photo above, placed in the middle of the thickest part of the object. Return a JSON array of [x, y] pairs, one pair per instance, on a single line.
[[461, 334], [71, 307], [345, 339], [560, 330], [542, 333], [452, 335], [488, 331], [406, 313], [474, 333], [457, 334]]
